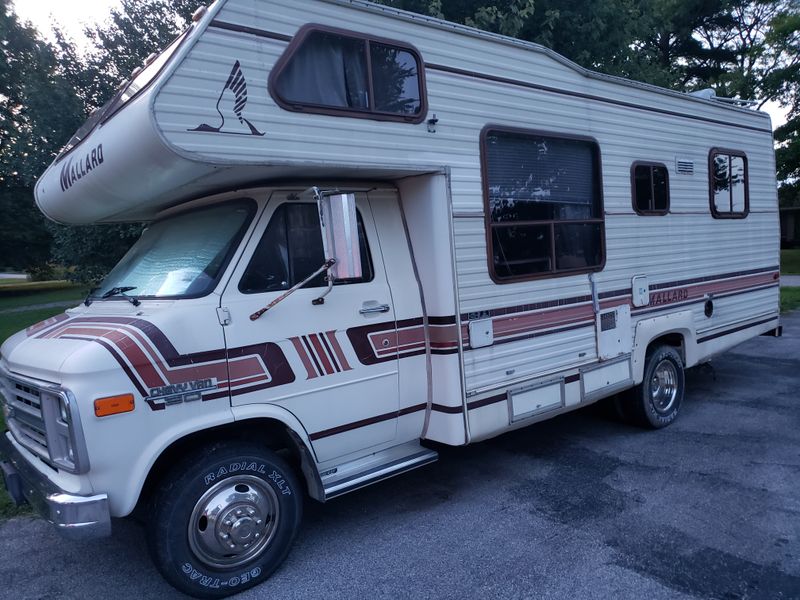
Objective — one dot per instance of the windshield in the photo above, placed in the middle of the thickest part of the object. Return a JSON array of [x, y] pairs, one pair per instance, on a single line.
[[181, 256]]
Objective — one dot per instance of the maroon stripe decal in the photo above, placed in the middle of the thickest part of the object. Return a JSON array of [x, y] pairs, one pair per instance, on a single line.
[[365, 422], [329, 352], [320, 352], [248, 362], [487, 401], [575, 94], [139, 387], [37, 327], [720, 334], [331, 335], [451, 410], [560, 303], [310, 354], [301, 352]]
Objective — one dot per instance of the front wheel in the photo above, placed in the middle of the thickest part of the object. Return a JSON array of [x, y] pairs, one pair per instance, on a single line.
[[224, 519], [656, 401]]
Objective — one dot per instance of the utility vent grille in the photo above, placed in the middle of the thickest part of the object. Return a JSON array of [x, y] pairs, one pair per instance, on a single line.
[[608, 321], [684, 167]]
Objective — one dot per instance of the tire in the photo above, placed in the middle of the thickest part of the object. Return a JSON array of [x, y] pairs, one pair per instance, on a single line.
[[656, 402], [242, 491]]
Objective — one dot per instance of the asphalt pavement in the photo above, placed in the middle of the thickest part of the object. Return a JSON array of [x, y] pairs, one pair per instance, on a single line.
[[790, 280], [577, 507]]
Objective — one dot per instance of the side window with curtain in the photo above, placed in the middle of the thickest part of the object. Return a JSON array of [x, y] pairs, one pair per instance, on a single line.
[[333, 72], [543, 203], [291, 250], [729, 193]]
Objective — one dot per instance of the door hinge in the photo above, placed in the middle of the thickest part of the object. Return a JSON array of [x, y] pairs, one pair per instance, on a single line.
[[224, 316]]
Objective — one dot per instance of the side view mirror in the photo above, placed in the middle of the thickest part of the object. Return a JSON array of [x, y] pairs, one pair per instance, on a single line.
[[337, 217]]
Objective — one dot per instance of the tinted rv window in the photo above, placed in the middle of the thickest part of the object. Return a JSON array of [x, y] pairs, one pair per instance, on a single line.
[[543, 198], [650, 188], [729, 196], [182, 256], [331, 72], [291, 250]]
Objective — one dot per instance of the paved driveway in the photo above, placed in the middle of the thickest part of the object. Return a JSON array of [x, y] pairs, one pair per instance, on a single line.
[[577, 507]]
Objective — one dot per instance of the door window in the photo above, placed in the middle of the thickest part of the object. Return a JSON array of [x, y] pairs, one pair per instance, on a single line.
[[291, 250]]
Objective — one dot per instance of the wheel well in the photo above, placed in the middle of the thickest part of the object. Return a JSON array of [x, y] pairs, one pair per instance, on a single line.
[[269, 432], [674, 339]]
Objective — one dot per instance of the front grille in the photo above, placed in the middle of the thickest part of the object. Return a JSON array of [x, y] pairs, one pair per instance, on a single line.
[[24, 414]]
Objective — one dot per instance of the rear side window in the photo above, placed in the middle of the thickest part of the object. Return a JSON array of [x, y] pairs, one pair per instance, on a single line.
[[337, 72], [291, 250], [650, 188], [543, 203], [729, 193]]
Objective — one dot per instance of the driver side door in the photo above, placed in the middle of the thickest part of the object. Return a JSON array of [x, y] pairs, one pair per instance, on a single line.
[[323, 362]]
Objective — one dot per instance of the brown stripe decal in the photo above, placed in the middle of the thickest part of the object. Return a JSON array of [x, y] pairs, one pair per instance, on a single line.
[[36, 327], [331, 335], [251, 30], [583, 95], [720, 334], [365, 422], [150, 360]]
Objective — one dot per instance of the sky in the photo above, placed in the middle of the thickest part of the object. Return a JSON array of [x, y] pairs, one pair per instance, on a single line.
[[72, 15]]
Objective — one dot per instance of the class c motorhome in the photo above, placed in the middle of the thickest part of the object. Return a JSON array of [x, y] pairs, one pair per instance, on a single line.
[[369, 232]]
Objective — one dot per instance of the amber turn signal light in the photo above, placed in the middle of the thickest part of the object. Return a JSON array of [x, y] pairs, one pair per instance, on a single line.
[[113, 405]]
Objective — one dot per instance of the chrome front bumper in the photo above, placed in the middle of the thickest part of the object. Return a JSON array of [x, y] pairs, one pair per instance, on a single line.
[[75, 517]]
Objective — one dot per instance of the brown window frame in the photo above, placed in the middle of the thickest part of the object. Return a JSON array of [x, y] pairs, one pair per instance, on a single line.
[[713, 153], [652, 211], [297, 41], [488, 225]]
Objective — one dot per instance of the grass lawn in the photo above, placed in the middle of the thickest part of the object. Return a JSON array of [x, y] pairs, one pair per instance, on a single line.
[[66, 294], [790, 261], [790, 298], [9, 324]]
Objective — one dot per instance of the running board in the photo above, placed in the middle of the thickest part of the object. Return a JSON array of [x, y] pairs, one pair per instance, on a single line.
[[376, 467]]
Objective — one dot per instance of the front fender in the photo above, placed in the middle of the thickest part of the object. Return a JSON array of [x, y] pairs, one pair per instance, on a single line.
[[297, 432]]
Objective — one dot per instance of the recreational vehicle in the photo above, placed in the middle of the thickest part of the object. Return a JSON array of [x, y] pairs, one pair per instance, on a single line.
[[369, 233]]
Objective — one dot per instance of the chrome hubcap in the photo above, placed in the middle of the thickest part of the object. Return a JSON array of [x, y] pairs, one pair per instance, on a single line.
[[233, 522], [664, 387]]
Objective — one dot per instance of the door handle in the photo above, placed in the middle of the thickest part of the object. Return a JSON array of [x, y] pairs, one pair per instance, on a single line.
[[371, 309]]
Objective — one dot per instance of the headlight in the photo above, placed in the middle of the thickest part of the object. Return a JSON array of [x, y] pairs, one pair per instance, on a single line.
[[60, 415]]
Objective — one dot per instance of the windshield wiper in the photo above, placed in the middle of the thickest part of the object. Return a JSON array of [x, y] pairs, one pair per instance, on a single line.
[[120, 291], [88, 300]]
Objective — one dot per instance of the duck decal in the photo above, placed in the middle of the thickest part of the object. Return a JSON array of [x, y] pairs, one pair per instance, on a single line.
[[230, 106]]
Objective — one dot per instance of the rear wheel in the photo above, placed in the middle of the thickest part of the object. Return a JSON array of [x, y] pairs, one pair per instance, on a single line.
[[224, 519], [656, 402]]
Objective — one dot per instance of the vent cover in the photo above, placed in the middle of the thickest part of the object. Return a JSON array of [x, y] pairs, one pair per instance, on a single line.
[[608, 320], [684, 166]]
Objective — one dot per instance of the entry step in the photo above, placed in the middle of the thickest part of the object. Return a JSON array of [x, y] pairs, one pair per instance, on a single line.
[[356, 474]]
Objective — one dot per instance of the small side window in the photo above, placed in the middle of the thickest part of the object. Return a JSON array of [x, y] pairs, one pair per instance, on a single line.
[[650, 188], [330, 71], [729, 195], [291, 250]]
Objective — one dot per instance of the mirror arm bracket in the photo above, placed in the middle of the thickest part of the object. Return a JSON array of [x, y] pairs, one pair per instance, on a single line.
[[327, 265], [321, 299]]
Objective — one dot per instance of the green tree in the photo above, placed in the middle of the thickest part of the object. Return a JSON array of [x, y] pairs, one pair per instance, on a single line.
[[38, 109], [118, 46]]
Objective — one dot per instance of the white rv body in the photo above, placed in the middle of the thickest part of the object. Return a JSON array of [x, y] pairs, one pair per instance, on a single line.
[[456, 357]]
